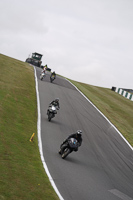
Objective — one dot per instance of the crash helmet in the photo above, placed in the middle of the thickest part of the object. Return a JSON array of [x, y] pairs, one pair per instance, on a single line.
[[79, 133], [57, 100]]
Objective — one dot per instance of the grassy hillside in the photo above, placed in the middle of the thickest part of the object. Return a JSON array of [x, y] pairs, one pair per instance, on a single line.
[[115, 107], [22, 173]]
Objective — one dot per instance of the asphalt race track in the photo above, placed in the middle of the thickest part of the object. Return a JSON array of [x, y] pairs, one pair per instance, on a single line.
[[102, 169]]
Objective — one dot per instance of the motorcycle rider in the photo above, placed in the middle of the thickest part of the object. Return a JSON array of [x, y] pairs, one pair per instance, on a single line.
[[77, 136], [44, 69], [54, 103], [53, 74]]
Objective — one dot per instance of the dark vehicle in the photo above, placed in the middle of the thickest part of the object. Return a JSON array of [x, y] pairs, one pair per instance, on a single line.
[[35, 59], [68, 147], [51, 112]]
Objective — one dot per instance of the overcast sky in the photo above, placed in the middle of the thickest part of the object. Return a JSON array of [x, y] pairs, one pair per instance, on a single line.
[[89, 41]]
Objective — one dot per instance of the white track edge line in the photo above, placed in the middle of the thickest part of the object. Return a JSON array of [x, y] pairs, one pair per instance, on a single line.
[[103, 116], [40, 141]]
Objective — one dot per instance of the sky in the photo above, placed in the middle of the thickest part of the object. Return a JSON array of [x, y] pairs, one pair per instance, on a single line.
[[89, 41]]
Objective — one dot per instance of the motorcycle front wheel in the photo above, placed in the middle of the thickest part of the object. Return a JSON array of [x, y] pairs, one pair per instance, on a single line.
[[41, 77], [65, 153], [50, 116]]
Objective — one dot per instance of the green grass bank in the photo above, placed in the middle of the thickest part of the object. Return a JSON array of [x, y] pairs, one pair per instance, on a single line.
[[22, 176]]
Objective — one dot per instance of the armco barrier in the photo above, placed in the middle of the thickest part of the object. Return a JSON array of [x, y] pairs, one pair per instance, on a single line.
[[124, 93]]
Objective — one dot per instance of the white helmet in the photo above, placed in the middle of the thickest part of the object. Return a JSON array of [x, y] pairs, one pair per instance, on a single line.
[[79, 132]]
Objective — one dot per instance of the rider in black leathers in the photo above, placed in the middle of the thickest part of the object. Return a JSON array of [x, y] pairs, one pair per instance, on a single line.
[[53, 74], [77, 136], [54, 103]]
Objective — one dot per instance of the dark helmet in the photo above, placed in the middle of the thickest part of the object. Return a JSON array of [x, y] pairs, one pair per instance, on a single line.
[[57, 100], [79, 133]]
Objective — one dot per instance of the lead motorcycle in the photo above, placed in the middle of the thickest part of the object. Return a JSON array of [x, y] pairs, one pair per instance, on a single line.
[[42, 75], [68, 147], [52, 110]]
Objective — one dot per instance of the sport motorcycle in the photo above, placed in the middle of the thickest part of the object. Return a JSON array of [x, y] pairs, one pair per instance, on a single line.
[[51, 112], [52, 78], [68, 147], [42, 75]]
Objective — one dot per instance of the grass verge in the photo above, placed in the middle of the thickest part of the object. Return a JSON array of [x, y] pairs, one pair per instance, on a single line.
[[115, 107], [22, 173]]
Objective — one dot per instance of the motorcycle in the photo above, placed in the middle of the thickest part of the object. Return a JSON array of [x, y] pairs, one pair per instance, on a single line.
[[51, 112], [52, 78], [42, 75], [69, 146]]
